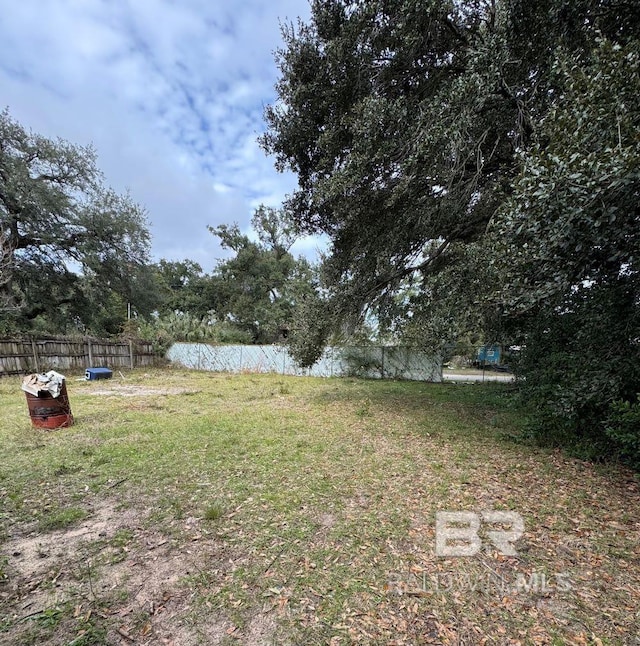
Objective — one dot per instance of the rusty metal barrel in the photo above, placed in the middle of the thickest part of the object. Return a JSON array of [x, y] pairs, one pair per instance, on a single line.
[[50, 412]]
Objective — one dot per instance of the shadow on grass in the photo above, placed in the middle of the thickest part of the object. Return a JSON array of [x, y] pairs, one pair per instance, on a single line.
[[472, 409]]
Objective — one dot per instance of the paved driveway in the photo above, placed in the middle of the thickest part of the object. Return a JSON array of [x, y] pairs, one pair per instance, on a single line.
[[475, 376]]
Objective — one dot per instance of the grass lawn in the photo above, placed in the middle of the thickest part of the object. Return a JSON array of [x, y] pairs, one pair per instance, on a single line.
[[186, 508]]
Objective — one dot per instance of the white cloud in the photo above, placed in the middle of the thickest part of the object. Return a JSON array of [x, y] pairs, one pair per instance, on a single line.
[[169, 93]]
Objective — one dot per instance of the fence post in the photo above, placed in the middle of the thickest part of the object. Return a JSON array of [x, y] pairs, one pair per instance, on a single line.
[[34, 347], [90, 352], [382, 363], [131, 353]]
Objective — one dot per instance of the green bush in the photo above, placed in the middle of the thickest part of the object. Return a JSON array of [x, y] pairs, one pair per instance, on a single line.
[[580, 374], [623, 427], [163, 331]]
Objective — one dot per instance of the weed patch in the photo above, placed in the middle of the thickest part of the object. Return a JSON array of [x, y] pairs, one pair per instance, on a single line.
[[60, 518]]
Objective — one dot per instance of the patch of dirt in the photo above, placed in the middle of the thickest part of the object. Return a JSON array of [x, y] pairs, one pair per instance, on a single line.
[[135, 391], [327, 520], [259, 631], [135, 579], [38, 564]]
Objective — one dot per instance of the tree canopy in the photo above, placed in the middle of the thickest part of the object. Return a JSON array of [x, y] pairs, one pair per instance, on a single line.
[[404, 122], [73, 251], [249, 297], [569, 240], [259, 287], [474, 164]]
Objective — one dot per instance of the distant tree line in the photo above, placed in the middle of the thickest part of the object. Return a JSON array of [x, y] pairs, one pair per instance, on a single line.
[[75, 258], [248, 298]]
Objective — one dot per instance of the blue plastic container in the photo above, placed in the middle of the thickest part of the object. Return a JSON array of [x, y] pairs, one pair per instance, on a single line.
[[91, 374]]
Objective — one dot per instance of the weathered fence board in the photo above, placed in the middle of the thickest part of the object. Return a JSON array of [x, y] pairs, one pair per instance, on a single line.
[[375, 362], [24, 356]]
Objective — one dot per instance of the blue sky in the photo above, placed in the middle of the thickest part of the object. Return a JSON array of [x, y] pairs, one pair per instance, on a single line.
[[169, 92]]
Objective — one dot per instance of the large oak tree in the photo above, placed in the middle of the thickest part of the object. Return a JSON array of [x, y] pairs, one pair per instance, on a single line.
[[73, 251], [473, 163], [404, 121]]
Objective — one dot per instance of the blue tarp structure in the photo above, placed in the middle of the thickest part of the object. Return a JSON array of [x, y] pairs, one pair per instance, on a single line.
[[489, 355]]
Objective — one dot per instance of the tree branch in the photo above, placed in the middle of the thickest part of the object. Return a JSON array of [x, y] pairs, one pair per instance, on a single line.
[[37, 310], [455, 31], [382, 283]]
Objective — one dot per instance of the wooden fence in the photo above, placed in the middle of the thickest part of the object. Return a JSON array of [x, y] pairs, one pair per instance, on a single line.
[[24, 356]]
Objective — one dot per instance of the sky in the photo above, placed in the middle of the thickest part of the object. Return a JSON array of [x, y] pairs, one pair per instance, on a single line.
[[171, 95]]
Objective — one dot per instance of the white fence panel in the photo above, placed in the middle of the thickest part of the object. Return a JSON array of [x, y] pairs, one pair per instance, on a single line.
[[375, 362]]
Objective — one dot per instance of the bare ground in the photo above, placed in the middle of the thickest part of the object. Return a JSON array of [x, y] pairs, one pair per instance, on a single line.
[[135, 578]]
